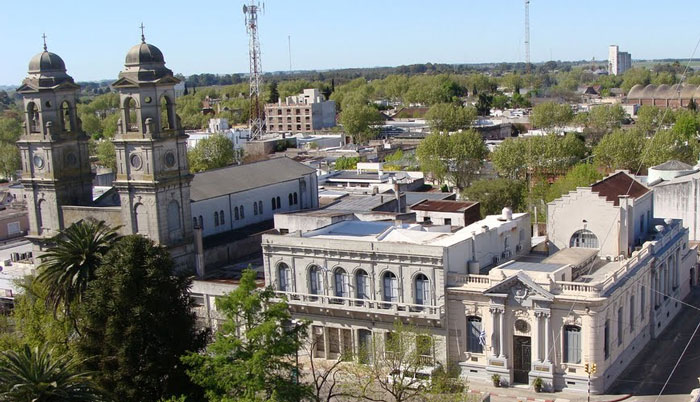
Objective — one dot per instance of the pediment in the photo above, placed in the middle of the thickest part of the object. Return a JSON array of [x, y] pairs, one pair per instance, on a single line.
[[520, 287], [124, 82]]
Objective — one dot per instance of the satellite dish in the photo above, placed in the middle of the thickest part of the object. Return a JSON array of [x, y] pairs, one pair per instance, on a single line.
[[245, 9]]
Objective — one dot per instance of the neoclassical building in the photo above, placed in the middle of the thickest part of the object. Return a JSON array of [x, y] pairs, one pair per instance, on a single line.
[[612, 282], [153, 178]]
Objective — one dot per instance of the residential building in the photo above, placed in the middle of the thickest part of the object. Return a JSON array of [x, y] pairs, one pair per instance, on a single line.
[[303, 113], [677, 193], [447, 212], [238, 136], [618, 62]]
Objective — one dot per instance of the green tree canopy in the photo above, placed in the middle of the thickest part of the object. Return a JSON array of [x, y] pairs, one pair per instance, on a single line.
[[603, 119], [539, 155], [620, 150], [447, 117], [454, 158], [551, 115], [360, 121], [495, 194], [581, 175], [212, 152], [252, 355], [37, 374], [136, 322]]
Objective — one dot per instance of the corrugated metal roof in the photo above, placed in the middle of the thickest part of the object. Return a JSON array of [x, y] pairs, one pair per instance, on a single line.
[[443, 205], [234, 179], [620, 183]]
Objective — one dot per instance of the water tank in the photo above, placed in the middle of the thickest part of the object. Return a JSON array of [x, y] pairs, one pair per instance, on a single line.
[[507, 214]]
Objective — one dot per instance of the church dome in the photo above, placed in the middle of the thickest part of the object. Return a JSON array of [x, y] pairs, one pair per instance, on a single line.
[[144, 53], [46, 62]]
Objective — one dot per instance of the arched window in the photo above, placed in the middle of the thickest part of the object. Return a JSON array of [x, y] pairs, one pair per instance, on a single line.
[[167, 112], [141, 219], [296, 200], [584, 238], [33, 118], [173, 215], [391, 287], [274, 206], [66, 116], [342, 283], [291, 200], [260, 208], [42, 215], [221, 217], [315, 280], [255, 208], [235, 212], [572, 344], [130, 117], [362, 284], [422, 289], [201, 222], [474, 343], [242, 213], [279, 203], [216, 218], [285, 277]]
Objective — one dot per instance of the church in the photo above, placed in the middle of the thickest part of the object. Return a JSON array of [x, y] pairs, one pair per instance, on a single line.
[[151, 194]]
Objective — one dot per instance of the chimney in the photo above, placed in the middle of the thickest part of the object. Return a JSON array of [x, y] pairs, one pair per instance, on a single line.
[[397, 193], [198, 252]]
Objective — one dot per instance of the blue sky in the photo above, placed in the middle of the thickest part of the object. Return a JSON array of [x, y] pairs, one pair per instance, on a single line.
[[209, 36]]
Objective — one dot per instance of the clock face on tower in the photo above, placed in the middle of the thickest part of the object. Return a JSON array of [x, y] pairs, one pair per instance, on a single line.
[[38, 162], [136, 162]]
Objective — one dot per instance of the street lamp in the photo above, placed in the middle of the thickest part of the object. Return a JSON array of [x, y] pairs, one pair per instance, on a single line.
[[590, 369]]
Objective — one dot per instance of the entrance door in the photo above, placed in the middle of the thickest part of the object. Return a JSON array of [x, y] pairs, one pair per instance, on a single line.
[[521, 359]]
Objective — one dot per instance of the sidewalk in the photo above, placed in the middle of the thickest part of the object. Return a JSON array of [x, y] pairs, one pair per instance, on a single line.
[[524, 393]]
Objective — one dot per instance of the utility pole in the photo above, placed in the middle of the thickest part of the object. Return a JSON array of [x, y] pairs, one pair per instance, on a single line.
[[257, 111], [527, 36]]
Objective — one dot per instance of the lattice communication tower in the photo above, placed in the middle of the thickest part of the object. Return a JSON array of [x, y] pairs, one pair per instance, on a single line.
[[257, 110]]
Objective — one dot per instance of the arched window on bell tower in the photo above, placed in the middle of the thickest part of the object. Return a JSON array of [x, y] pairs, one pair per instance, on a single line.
[[131, 121], [33, 118], [167, 113], [66, 116]]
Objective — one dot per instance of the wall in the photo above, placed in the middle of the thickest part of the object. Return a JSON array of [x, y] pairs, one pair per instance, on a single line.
[[112, 216], [679, 200]]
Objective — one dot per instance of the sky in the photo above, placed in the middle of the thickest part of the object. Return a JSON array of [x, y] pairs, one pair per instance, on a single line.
[[93, 36]]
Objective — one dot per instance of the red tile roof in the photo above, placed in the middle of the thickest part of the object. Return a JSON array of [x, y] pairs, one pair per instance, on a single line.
[[620, 183]]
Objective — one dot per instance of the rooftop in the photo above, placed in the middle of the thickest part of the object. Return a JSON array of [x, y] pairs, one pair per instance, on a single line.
[[673, 165], [237, 178], [617, 184], [443, 205]]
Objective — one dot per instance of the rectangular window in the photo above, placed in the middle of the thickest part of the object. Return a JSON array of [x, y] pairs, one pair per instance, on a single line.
[[606, 336], [13, 228], [448, 221], [474, 335], [619, 326], [631, 313], [572, 344]]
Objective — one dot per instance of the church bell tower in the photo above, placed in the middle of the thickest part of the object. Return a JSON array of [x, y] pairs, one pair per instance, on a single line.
[[53, 147], [153, 177]]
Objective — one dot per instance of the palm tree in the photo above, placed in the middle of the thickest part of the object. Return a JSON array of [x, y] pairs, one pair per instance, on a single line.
[[70, 264], [36, 375]]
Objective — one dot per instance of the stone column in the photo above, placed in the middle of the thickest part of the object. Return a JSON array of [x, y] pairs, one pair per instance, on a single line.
[[536, 338], [502, 333], [547, 317], [494, 314]]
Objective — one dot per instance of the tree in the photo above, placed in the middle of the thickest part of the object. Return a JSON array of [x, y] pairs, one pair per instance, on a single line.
[[10, 128], [548, 155], [70, 263], [454, 158], [670, 144], [651, 118], [107, 154], [447, 117], [483, 105], [620, 150], [581, 175], [327, 376], [274, 94], [252, 355], [212, 152], [393, 365], [346, 163], [495, 194], [136, 322], [551, 115], [509, 158], [603, 119], [39, 375], [9, 159], [361, 121]]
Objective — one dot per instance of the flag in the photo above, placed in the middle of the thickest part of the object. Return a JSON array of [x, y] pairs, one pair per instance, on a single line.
[[482, 338]]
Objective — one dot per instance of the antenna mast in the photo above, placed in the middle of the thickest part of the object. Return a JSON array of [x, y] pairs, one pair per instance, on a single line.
[[257, 111], [527, 36]]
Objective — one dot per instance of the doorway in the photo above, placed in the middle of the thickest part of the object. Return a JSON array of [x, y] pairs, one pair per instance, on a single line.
[[521, 359]]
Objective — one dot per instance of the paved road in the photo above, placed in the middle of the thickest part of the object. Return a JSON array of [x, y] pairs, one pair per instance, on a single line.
[[646, 375]]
